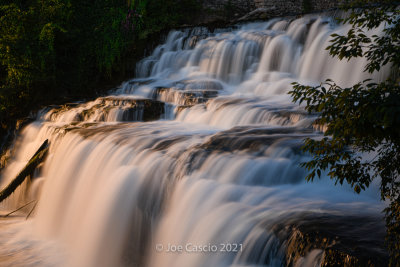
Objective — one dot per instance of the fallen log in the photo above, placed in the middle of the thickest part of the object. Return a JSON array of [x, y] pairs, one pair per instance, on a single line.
[[36, 159]]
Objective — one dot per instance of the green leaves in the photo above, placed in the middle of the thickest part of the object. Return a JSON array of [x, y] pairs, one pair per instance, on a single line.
[[164, 14], [363, 119], [27, 41], [364, 115], [359, 42], [50, 49], [14, 51]]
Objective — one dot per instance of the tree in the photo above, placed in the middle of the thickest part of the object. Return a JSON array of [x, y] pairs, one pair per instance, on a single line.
[[53, 51], [362, 119]]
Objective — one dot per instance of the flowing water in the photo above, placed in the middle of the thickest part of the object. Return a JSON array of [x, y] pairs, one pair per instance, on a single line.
[[199, 154]]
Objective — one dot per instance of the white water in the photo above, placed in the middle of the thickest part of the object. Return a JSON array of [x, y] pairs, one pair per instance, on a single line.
[[220, 166]]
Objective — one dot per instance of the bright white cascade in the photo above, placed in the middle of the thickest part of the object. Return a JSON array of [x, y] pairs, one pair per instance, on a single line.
[[201, 149]]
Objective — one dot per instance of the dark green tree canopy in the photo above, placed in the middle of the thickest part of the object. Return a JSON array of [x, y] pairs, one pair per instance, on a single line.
[[56, 49]]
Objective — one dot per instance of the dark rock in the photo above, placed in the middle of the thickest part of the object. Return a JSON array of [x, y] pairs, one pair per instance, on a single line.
[[139, 82], [344, 240], [253, 139], [225, 12], [132, 109], [151, 109], [188, 92], [244, 139]]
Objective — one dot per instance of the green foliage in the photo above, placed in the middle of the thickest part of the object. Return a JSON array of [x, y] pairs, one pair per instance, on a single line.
[[164, 14], [364, 118], [55, 48]]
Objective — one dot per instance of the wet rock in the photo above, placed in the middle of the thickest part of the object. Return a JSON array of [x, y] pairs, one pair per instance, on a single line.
[[188, 92], [253, 139], [165, 143], [184, 97], [139, 82], [343, 240], [182, 107], [113, 108], [89, 130]]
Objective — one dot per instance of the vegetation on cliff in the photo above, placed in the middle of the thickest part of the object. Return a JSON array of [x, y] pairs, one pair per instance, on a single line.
[[364, 118], [51, 49]]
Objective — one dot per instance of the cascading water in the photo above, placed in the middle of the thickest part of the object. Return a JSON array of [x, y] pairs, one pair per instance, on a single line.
[[200, 152]]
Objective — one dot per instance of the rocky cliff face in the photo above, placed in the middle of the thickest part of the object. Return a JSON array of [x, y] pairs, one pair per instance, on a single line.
[[237, 10]]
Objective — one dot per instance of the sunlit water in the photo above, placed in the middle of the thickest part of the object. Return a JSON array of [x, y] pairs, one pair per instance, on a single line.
[[216, 167]]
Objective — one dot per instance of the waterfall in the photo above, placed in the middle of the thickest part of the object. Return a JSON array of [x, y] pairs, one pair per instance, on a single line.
[[194, 162]]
